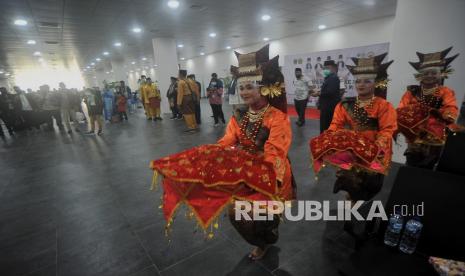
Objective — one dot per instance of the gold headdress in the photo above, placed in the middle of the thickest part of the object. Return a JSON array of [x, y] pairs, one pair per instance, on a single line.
[[434, 60], [372, 68]]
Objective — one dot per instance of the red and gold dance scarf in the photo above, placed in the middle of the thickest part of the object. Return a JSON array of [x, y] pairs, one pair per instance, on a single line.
[[209, 177], [421, 124], [345, 149]]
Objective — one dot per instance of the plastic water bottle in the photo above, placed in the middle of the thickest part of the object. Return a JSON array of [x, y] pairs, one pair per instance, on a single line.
[[392, 235], [411, 235]]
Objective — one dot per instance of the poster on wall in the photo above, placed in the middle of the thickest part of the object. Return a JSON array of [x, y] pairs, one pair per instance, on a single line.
[[312, 67]]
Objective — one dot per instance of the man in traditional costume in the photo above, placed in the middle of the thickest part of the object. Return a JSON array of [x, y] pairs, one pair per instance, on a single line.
[[359, 139], [188, 92], [249, 163], [426, 110]]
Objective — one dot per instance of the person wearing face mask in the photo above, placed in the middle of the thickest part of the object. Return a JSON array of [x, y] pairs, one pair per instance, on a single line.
[[330, 94], [426, 110], [249, 163], [359, 140]]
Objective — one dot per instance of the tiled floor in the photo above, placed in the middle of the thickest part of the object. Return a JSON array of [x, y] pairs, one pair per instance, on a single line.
[[81, 205]]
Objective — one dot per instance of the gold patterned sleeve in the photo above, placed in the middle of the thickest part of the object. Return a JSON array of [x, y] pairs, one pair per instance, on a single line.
[[278, 143]]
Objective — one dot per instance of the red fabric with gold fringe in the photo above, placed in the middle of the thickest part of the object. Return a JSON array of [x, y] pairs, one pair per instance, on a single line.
[[345, 149], [208, 177]]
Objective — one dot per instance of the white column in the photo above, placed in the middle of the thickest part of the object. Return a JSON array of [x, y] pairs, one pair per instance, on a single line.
[[425, 26], [166, 58]]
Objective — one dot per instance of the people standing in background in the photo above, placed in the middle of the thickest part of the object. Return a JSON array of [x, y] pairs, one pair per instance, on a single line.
[[94, 102], [68, 107], [214, 94], [126, 91], [152, 100], [329, 96], [197, 103], [172, 95], [133, 101], [27, 109], [51, 104], [187, 90], [6, 111], [302, 89], [108, 102], [121, 103]]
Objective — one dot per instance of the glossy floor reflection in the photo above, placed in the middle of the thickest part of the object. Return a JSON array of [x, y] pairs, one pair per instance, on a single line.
[[81, 205]]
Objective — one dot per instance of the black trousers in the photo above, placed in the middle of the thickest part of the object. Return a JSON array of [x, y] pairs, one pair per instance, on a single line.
[[326, 115], [218, 113], [197, 113], [57, 115], [123, 115], [175, 111], [423, 156], [300, 106], [258, 233]]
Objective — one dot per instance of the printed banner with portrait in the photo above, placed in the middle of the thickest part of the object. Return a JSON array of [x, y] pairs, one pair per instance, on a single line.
[[312, 67]]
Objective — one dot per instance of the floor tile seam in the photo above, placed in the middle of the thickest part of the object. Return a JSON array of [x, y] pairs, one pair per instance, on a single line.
[[137, 237], [190, 256], [298, 252]]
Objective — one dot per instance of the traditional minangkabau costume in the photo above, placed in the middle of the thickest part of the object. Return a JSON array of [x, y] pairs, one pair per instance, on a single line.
[[249, 163], [424, 114], [359, 139]]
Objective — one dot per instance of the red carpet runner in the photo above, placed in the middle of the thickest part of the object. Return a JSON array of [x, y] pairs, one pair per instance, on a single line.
[[310, 112]]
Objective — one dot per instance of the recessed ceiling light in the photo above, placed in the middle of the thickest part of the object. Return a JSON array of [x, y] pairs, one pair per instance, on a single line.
[[202, 54], [93, 63], [1, 72], [20, 22], [98, 59], [108, 72], [37, 53], [180, 45], [321, 27], [133, 62], [144, 58], [88, 67], [117, 44], [173, 4], [182, 58], [31, 42], [212, 34], [266, 17], [106, 53], [131, 71], [156, 65], [7, 74], [266, 39], [41, 60], [228, 47], [137, 30]]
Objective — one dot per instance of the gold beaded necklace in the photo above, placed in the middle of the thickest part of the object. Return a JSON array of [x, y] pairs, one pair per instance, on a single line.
[[247, 139], [360, 113], [427, 97]]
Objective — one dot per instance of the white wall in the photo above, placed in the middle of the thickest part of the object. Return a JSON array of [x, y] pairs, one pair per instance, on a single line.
[[364, 33]]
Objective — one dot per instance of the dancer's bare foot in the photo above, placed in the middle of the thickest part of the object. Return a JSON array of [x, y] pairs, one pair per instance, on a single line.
[[258, 253]]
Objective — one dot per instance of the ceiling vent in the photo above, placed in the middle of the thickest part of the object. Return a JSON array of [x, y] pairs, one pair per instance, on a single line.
[[198, 8], [44, 24], [51, 42]]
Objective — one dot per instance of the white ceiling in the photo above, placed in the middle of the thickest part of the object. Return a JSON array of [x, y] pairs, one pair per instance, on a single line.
[[86, 28]]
